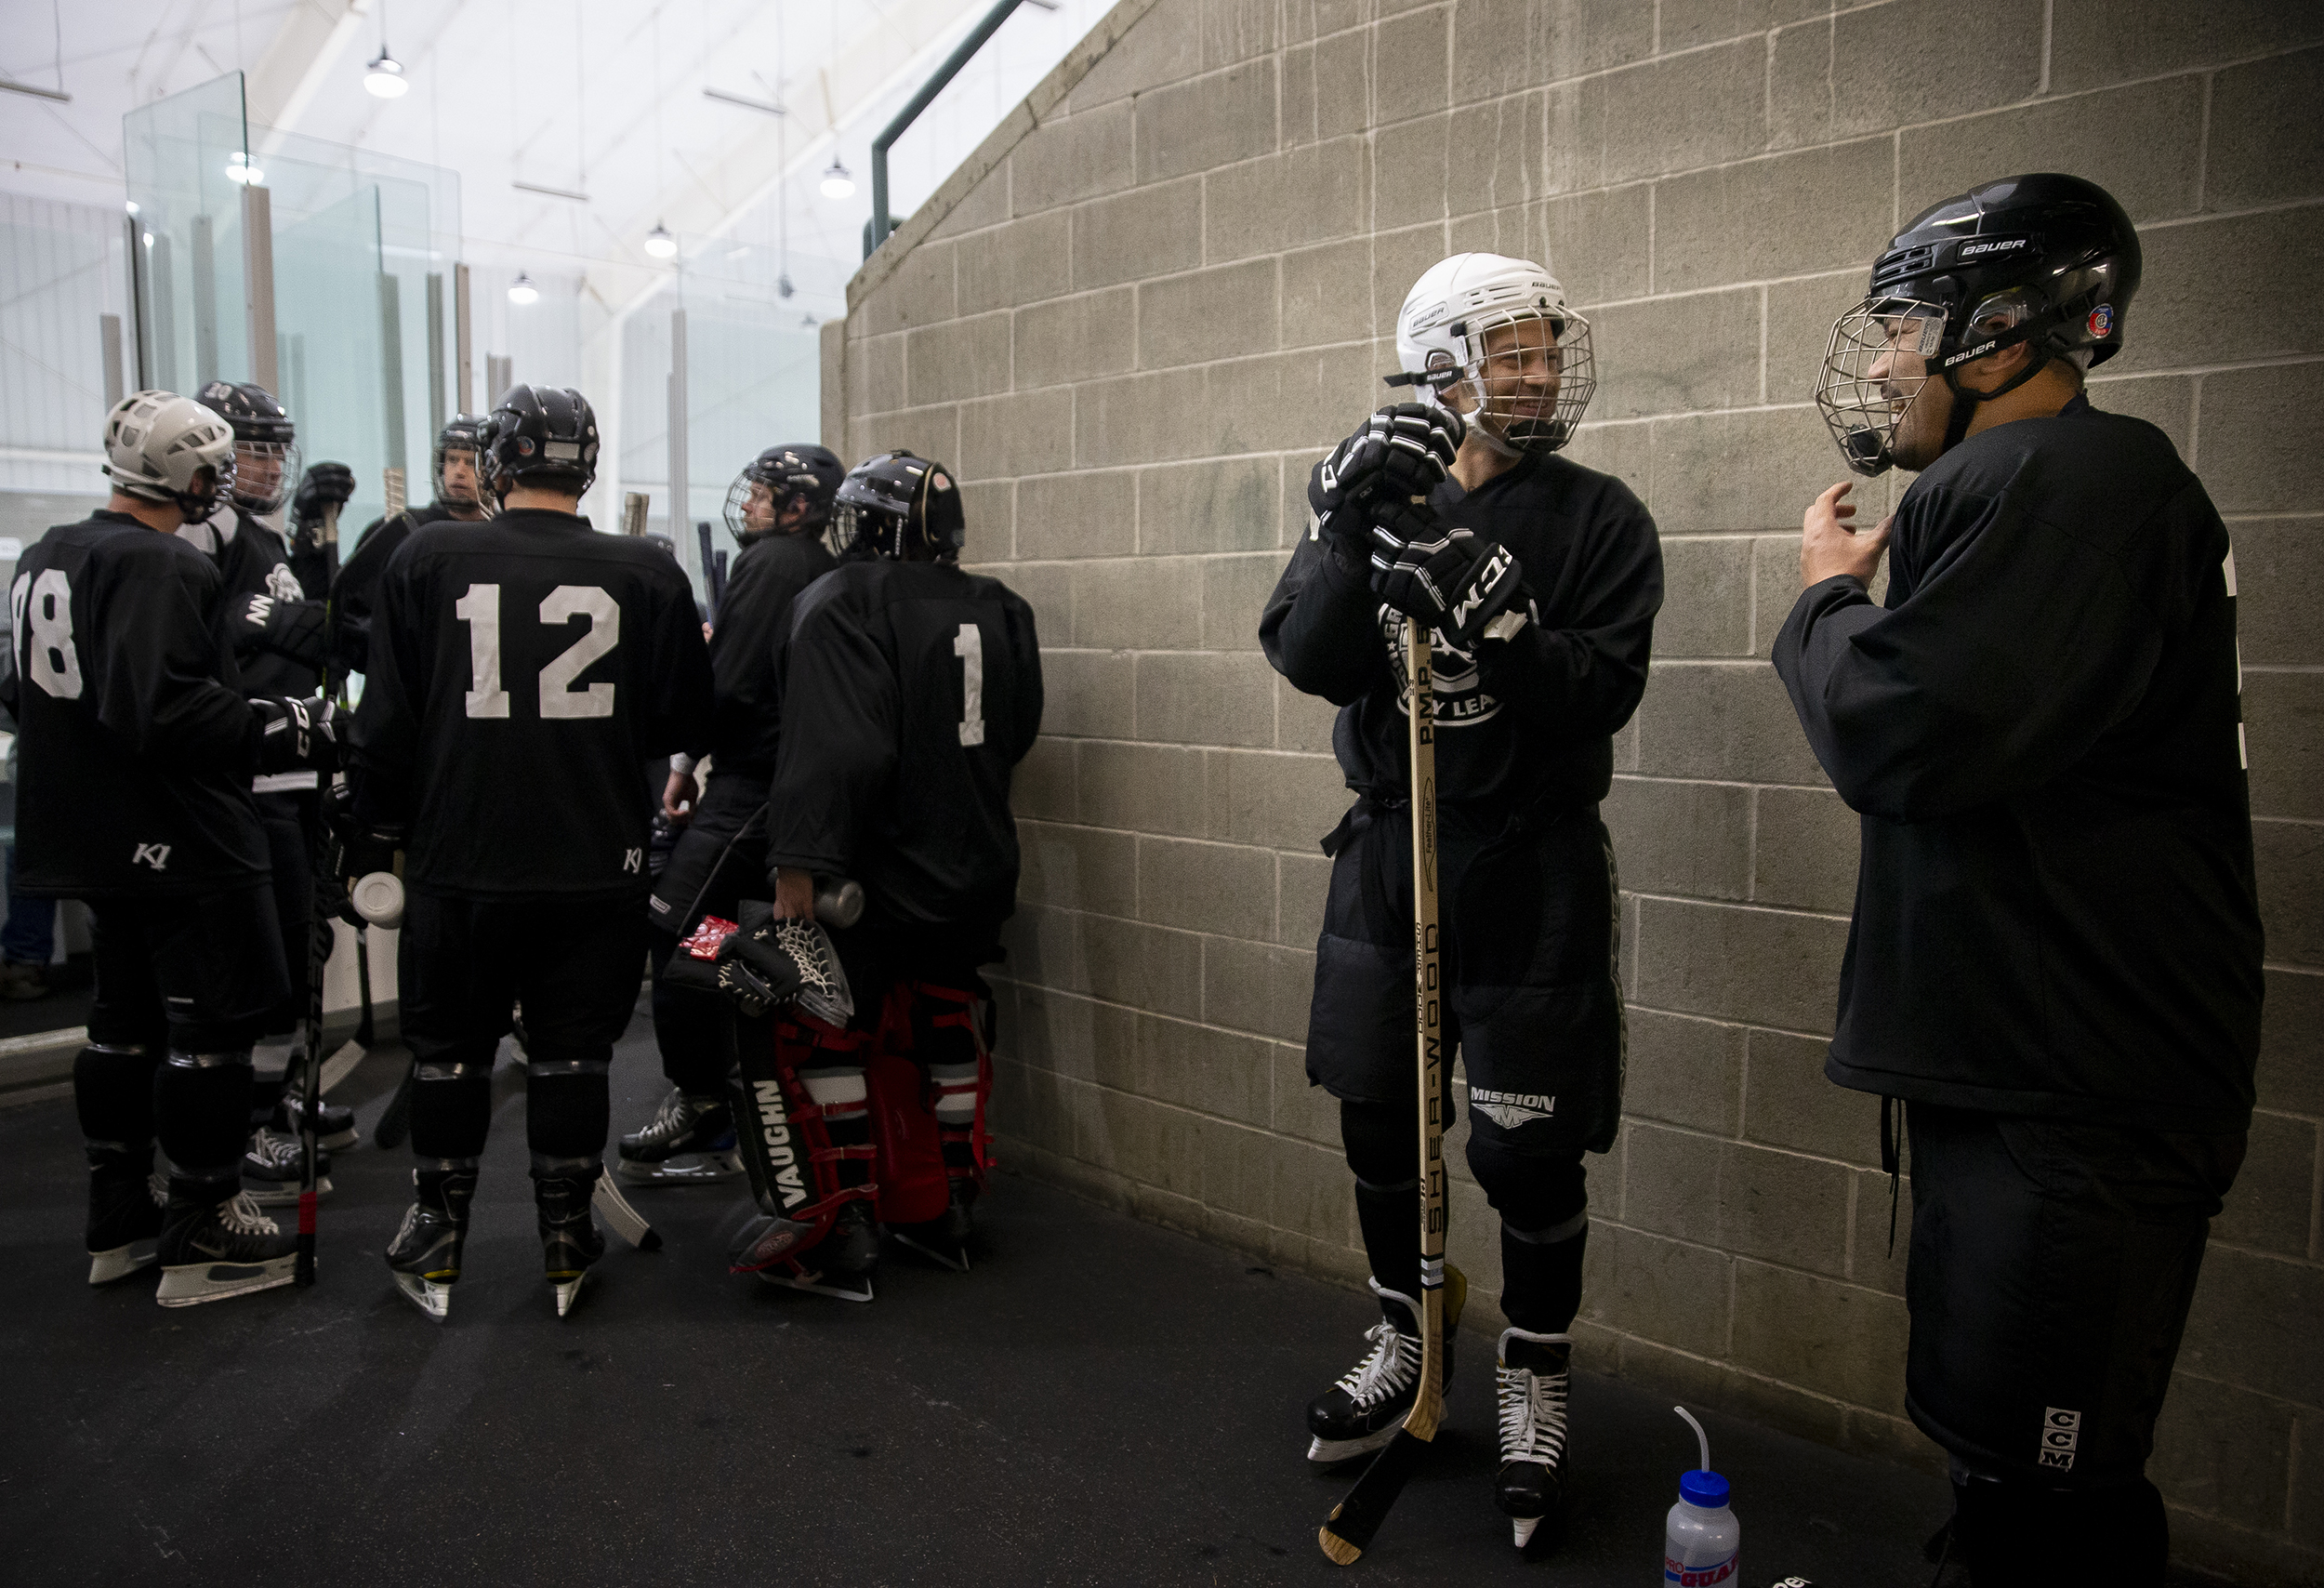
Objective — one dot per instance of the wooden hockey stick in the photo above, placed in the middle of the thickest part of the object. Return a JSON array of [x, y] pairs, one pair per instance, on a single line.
[[1354, 1521], [322, 885]]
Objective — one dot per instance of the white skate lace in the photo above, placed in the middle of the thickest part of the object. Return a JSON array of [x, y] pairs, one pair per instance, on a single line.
[[157, 1187], [1532, 1415], [276, 1151], [676, 1116], [242, 1217], [1390, 1369]]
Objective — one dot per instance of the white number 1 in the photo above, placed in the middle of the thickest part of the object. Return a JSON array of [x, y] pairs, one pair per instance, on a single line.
[[969, 645], [480, 608]]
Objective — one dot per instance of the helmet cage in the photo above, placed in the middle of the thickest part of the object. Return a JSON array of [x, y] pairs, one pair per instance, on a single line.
[[1506, 414], [265, 473], [1863, 392]]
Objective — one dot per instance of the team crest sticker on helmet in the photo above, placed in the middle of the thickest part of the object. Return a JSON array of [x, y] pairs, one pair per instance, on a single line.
[[1530, 392], [2047, 261]]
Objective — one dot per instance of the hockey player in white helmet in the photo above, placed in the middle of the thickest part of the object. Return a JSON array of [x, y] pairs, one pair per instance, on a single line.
[[138, 748], [1540, 579]]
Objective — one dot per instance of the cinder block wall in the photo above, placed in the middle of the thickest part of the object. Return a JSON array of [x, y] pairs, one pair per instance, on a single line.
[[1136, 315]]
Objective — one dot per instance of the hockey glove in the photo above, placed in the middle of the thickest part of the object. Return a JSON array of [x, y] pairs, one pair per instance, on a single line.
[[292, 629], [1455, 583], [325, 484], [296, 735], [1403, 451], [757, 974]]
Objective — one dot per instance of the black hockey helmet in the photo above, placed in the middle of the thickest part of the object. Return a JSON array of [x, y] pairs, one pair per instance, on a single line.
[[902, 506], [539, 435], [266, 443], [799, 472], [2045, 259], [461, 432]]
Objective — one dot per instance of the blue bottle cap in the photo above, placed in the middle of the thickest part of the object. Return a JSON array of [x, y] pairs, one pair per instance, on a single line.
[[1707, 1489]]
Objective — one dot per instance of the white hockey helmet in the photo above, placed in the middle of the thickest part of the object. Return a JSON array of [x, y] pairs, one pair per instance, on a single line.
[[1521, 406], [156, 445]]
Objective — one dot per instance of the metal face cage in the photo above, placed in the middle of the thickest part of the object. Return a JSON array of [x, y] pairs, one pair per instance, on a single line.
[[1875, 365], [1531, 397]]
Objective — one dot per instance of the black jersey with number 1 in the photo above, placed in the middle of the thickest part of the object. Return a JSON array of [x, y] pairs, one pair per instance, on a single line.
[[136, 746], [521, 672], [910, 691]]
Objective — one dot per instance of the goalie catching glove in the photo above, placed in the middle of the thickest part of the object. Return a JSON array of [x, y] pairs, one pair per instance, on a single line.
[[762, 963], [1459, 586], [1403, 451], [296, 735]]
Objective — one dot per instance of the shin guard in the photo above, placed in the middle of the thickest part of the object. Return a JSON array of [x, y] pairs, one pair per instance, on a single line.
[[795, 1170], [955, 1047]]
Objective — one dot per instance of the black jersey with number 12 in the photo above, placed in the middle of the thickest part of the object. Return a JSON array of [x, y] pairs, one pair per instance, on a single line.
[[521, 672], [910, 691]]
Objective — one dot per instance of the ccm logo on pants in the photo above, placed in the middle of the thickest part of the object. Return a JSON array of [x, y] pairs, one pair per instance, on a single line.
[[2061, 1431]]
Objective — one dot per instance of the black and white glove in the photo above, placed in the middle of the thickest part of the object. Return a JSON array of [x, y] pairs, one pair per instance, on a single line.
[[296, 735], [292, 629], [1448, 578], [756, 973], [1403, 451], [326, 484]]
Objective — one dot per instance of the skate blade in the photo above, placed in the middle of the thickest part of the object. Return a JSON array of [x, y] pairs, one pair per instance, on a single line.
[[686, 1169], [194, 1283], [569, 1292], [840, 1287], [430, 1297], [120, 1262], [339, 1141], [955, 1259], [284, 1196], [1521, 1527]]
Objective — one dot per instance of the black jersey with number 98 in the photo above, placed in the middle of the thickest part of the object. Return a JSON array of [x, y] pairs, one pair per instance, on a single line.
[[521, 672], [910, 691]]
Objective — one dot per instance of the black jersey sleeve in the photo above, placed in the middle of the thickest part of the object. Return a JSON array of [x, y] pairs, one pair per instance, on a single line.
[[1319, 627], [1024, 651], [386, 733], [1579, 668], [678, 708], [843, 707], [156, 663], [2009, 647]]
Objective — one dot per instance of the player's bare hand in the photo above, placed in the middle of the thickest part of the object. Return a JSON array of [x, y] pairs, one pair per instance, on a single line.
[[794, 893], [1829, 545], [678, 798]]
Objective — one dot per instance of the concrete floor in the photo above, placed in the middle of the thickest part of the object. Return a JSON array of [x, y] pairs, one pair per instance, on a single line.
[[1099, 1402]]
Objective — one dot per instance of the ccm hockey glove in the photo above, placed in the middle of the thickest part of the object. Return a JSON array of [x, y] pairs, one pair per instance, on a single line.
[[296, 735], [1403, 451], [292, 629], [1450, 580]]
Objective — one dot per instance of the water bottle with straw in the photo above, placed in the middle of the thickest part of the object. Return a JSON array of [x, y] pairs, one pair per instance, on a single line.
[[1701, 1540]]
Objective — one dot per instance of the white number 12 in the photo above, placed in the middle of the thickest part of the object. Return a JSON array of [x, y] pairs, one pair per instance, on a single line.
[[969, 645], [480, 610]]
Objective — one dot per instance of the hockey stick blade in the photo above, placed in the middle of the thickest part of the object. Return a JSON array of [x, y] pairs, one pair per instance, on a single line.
[[341, 1064], [621, 1218], [1357, 1518]]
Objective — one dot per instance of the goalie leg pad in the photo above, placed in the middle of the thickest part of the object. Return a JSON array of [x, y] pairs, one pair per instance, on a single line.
[[798, 1173], [951, 1042]]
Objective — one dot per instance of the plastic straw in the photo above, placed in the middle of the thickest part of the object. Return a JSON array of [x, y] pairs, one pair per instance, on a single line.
[[1701, 1437]]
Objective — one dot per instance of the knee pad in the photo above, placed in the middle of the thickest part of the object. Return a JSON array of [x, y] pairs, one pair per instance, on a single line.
[[1534, 1193], [202, 1112], [452, 1105], [798, 1174], [567, 1106], [113, 1091]]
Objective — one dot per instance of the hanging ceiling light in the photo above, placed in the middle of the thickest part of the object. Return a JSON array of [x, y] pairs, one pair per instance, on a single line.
[[660, 243], [240, 169], [385, 75], [522, 291], [837, 183]]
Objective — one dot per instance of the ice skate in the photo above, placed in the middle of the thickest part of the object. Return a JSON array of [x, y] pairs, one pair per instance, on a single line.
[[946, 1237], [211, 1250], [688, 1141], [424, 1256], [570, 1238], [125, 1215], [271, 1169], [1363, 1412], [1533, 1380], [839, 1265]]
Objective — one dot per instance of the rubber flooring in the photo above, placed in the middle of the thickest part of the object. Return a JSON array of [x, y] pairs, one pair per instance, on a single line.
[[1100, 1401]]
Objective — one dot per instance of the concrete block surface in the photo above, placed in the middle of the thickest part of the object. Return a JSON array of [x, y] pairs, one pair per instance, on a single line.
[[1208, 121], [1687, 838], [2266, 130]]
